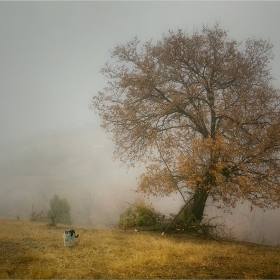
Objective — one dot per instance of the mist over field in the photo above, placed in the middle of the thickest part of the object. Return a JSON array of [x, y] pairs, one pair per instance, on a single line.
[[51, 143], [77, 165]]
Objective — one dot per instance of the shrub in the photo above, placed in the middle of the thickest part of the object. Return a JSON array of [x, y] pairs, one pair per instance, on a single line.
[[60, 211], [37, 216], [127, 219], [138, 215], [145, 216]]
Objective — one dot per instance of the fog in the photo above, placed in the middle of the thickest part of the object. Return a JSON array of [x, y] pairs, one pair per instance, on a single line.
[[51, 142], [77, 165]]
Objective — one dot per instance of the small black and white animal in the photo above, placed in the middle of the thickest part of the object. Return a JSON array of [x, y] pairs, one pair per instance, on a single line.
[[69, 237]]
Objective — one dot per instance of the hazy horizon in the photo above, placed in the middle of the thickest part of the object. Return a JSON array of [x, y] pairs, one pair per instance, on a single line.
[[51, 54]]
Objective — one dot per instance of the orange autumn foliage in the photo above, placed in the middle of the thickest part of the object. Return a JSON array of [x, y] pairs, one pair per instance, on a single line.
[[200, 111]]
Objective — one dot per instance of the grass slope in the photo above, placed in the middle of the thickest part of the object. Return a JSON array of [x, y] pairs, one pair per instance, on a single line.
[[34, 250]]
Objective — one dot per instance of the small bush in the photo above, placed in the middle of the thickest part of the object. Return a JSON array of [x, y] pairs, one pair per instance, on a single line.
[[127, 219], [140, 216], [60, 211], [145, 216], [37, 216]]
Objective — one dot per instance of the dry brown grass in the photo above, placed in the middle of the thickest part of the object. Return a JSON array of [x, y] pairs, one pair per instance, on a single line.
[[34, 250]]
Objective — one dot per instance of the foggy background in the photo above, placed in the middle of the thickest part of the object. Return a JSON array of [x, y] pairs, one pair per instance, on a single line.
[[51, 143]]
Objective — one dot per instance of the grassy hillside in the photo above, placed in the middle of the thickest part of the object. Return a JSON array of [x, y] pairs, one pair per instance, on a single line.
[[34, 250]]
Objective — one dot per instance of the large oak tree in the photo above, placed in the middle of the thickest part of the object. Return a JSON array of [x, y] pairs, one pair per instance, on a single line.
[[201, 112]]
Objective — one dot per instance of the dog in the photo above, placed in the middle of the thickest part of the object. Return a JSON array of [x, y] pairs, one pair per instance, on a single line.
[[69, 237]]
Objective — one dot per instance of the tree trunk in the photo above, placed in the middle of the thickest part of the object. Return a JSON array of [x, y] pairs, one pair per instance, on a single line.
[[193, 211], [199, 200]]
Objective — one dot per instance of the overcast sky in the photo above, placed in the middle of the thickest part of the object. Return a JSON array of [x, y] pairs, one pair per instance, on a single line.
[[51, 52]]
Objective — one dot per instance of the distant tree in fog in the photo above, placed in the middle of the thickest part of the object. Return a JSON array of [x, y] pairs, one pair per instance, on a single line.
[[201, 111], [59, 211]]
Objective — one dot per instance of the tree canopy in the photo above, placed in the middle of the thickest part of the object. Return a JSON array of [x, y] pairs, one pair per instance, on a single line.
[[200, 111]]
